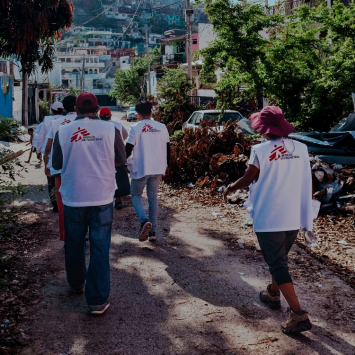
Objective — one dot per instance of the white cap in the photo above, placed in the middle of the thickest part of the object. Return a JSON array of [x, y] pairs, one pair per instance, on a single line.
[[57, 105]]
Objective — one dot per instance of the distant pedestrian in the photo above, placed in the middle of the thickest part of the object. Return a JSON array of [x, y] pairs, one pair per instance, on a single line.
[[148, 153], [122, 180], [86, 151], [280, 203], [69, 104], [31, 133]]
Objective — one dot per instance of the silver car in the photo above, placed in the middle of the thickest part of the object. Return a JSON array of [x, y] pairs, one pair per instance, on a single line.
[[131, 114], [196, 118]]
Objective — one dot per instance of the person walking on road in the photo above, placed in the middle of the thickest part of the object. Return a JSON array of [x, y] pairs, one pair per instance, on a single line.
[[69, 103], [148, 153], [86, 151], [122, 180], [280, 203], [57, 113]]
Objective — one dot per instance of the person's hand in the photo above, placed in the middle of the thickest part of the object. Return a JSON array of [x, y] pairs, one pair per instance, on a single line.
[[226, 193], [47, 172], [167, 172], [39, 156], [127, 171]]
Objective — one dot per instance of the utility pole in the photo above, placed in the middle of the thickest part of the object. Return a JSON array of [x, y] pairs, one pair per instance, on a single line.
[[83, 75], [188, 18], [149, 89]]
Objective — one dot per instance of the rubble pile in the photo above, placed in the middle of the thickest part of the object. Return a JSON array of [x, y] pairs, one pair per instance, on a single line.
[[333, 186], [210, 157]]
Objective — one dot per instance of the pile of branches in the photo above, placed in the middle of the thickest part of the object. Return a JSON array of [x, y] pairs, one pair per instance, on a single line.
[[211, 155]]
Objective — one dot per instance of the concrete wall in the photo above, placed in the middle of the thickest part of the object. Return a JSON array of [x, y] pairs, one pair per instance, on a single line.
[[17, 102], [205, 34]]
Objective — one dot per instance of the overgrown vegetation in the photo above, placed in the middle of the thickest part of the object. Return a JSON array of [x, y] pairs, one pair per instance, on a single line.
[[9, 129], [304, 63], [173, 106]]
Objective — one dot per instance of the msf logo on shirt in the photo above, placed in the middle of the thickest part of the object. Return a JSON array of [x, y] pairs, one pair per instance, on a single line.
[[277, 153], [148, 128], [65, 122], [79, 135]]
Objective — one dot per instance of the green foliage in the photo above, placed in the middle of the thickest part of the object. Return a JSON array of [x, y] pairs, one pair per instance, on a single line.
[[293, 64], [44, 109], [177, 135], [9, 129], [173, 97], [74, 90], [9, 191], [129, 84]]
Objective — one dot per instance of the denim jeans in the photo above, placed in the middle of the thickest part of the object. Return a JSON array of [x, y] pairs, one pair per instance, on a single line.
[[77, 220], [137, 187]]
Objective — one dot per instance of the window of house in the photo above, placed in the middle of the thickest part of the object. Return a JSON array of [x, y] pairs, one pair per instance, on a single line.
[[194, 41], [181, 47], [87, 60], [95, 71], [68, 60], [91, 60], [90, 71], [62, 60]]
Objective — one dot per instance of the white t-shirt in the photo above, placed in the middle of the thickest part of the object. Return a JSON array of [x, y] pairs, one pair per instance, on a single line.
[[120, 127], [149, 155], [53, 129], [42, 140], [281, 198], [36, 135]]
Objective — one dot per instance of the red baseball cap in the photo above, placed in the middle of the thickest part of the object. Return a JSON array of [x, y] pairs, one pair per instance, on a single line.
[[86, 100], [271, 120], [105, 112]]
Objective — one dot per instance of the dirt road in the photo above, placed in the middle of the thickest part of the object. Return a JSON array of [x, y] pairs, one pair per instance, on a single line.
[[195, 291]]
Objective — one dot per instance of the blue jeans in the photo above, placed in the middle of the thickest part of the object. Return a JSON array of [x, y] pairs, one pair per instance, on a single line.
[[77, 220], [137, 187]]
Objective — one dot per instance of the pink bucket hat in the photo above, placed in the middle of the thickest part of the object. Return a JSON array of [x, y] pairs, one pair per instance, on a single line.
[[271, 120]]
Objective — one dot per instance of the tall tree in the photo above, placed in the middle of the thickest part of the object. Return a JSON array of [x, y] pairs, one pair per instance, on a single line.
[[29, 28], [305, 63]]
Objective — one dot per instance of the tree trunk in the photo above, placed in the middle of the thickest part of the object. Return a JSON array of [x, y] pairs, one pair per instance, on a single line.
[[25, 99]]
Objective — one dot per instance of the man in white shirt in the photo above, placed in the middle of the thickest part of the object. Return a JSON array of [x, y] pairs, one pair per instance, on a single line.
[[149, 142], [69, 103], [57, 112], [122, 180], [87, 151]]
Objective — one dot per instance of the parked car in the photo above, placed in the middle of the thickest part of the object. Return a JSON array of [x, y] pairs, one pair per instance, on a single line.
[[131, 114], [196, 118]]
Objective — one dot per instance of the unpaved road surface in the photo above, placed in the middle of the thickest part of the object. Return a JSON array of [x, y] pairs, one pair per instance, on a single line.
[[195, 291]]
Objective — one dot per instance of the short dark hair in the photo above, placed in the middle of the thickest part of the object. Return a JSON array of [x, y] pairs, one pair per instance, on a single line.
[[85, 110], [30, 130], [69, 103], [58, 112], [144, 108], [275, 137]]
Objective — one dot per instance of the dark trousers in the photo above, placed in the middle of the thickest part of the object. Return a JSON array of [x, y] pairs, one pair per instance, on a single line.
[[51, 190], [122, 181], [275, 247], [77, 220]]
